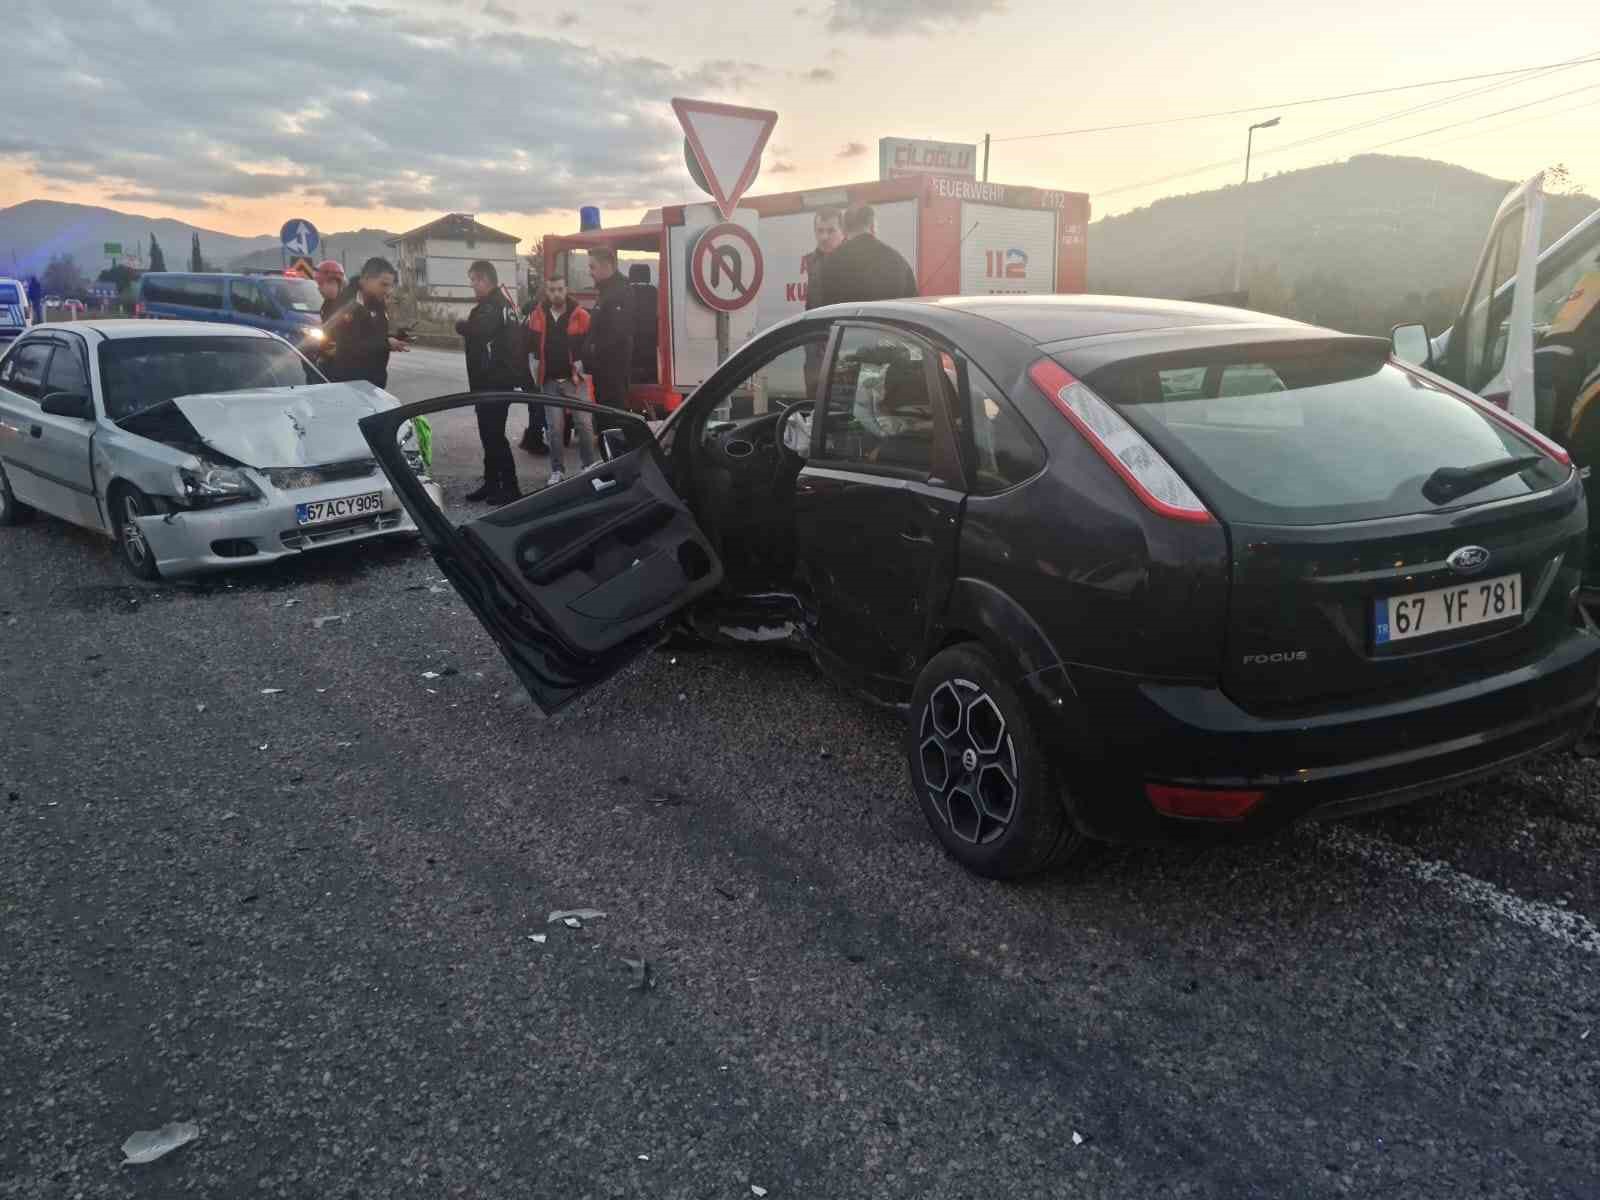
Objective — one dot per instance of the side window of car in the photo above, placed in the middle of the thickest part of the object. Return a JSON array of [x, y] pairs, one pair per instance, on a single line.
[[23, 370], [878, 407], [66, 373], [248, 299], [1006, 451], [779, 382]]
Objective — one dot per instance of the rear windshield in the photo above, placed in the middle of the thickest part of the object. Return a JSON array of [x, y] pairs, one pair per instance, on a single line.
[[1297, 436], [9, 294], [136, 373]]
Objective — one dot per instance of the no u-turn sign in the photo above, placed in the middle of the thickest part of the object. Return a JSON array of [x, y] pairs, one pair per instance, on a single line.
[[725, 267]]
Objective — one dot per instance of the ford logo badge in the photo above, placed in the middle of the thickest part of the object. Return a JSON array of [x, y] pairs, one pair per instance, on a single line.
[[1468, 560]]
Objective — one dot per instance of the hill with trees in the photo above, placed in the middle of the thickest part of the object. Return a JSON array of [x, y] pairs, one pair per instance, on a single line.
[[1357, 245]]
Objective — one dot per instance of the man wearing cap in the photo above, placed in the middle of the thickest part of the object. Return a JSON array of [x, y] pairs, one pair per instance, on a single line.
[[330, 282]]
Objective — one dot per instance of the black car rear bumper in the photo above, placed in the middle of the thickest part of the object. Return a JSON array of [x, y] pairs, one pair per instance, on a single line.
[[1123, 733]]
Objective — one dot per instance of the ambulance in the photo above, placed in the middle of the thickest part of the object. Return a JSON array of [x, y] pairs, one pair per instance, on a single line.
[[961, 237]]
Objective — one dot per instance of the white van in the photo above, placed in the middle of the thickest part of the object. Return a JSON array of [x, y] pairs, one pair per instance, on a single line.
[[16, 314]]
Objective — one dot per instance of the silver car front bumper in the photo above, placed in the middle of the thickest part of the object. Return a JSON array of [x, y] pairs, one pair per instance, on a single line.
[[251, 533]]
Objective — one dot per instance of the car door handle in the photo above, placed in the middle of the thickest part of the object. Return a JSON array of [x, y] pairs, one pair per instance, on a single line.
[[37, 431], [912, 534], [603, 485]]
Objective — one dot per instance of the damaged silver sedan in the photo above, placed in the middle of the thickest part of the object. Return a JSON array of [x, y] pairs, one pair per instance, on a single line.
[[196, 447]]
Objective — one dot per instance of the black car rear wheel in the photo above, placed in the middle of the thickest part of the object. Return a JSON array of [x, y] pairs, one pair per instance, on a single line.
[[979, 774]]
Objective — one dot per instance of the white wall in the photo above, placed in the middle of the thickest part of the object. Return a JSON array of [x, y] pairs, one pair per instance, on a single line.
[[448, 262]]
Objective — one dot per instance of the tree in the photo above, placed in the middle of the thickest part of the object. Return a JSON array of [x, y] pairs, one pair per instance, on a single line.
[[122, 275], [1558, 181], [62, 277], [158, 260], [196, 263]]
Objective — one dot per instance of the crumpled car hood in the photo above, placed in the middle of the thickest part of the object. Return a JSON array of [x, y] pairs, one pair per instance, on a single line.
[[287, 427]]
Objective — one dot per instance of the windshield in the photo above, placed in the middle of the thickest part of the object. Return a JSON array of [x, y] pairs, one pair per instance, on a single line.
[[9, 294], [136, 373], [294, 295], [1291, 437]]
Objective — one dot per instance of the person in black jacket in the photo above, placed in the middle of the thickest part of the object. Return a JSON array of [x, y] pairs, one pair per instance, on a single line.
[[359, 328], [863, 268], [489, 332], [608, 350]]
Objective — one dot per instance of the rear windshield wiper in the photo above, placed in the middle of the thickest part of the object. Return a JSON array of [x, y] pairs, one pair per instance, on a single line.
[[1450, 483]]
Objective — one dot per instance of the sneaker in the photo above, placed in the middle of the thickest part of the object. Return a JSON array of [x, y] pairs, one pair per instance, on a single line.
[[482, 494], [555, 478]]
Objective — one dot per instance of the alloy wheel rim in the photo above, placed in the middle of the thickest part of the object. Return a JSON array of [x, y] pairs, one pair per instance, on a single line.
[[132, 535], [968, 761]]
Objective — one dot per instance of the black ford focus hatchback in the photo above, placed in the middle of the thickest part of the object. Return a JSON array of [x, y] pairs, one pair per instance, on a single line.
[[1130, 569]]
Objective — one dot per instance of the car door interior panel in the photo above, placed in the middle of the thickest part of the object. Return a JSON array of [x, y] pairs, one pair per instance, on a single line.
[[604, 556]]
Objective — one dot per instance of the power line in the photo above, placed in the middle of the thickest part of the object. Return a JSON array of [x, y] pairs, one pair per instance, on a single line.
[[1326, 134], [1524, 121], [1497, 113], [1234, 112]]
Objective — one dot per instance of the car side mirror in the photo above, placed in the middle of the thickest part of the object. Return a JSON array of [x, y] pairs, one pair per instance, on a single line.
[[1411, 344], [68, 404]]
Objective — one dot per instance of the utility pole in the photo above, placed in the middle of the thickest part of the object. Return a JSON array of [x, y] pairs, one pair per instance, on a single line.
[[986, 158], [1244, 200]]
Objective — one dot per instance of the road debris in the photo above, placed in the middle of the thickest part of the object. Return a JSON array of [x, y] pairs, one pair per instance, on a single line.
[[572, 923], [199, 708], [643, 977], [644, 1158], [335, 619], [539, 938], [263, 745], [272, 691], [290, 603], [757, 1191], [147, 1145], [1077, 1138], [570, 915]]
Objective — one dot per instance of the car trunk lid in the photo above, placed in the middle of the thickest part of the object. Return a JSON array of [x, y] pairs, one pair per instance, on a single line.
[[1319, 457]]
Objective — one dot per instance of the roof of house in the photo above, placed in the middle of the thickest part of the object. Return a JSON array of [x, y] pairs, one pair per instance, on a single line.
[[455, 227]]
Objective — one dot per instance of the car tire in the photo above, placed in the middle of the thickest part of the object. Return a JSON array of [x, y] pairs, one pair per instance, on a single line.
[[979, 772], [12, 511], [127, 502]]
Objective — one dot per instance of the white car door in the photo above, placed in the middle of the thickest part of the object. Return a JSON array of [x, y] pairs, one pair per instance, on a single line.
[[21, 388], [1490, 346]]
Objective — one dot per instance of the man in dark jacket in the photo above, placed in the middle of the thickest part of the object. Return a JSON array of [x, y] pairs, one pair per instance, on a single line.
[[863, 268], [608, 350], [359, 328], [490, 335], [828, 226]]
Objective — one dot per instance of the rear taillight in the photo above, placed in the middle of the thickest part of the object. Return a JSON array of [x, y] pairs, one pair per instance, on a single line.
[[138, 309], [1150, 477], [1202, 804]]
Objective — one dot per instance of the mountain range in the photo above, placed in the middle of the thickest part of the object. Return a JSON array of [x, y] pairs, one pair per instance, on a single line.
[[33, 232], [1356, 245]]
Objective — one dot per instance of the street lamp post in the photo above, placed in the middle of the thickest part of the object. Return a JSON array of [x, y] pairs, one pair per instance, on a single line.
[[1238, 257]]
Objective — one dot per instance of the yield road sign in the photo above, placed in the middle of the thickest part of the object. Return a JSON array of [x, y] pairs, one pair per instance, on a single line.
[[299, 237], [726, 141], [725, 267]]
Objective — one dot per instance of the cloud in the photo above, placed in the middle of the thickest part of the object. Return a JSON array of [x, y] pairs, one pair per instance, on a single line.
[[500, 13], [726, 74], [888, 18], [781, 168], [802, 11], [852, 150], [392, 126], [820, 75], [567, 20]]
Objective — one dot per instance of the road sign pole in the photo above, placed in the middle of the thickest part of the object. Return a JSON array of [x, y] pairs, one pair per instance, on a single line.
[[722, 338]]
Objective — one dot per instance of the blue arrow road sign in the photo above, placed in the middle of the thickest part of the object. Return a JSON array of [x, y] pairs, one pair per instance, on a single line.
[[300, 237]]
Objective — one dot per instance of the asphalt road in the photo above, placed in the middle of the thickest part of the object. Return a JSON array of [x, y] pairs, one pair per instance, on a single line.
[[302, 921]]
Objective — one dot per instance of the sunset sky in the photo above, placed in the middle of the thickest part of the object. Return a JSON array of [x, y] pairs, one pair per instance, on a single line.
[[238, 116]]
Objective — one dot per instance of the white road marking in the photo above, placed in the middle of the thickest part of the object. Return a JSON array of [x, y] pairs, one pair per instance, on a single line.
[[1569, 928]]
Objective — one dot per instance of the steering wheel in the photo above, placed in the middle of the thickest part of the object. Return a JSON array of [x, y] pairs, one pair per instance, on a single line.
[[788, 427]]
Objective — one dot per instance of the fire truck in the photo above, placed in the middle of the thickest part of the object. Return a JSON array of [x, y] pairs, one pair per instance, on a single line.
[[961, 237]]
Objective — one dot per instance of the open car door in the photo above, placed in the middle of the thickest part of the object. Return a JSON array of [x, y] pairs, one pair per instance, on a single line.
[[1490, 346], [575, 581]]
